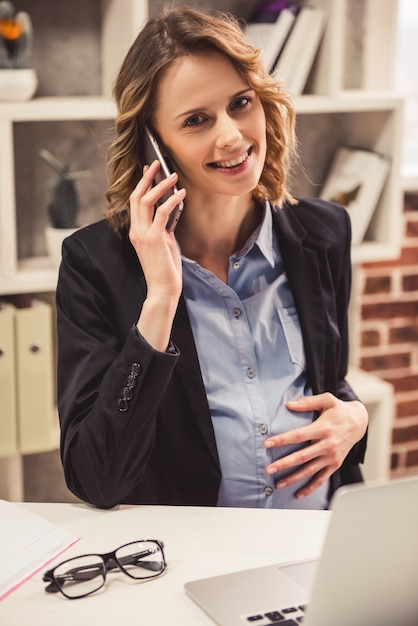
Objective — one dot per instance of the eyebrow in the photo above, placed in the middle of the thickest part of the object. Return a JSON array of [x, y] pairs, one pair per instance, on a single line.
[[203, 109]]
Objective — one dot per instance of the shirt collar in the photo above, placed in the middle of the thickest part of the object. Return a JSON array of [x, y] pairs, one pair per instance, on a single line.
[[262, 237]]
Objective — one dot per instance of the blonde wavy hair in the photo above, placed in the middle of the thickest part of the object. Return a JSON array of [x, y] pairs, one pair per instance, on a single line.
[[175, 33]]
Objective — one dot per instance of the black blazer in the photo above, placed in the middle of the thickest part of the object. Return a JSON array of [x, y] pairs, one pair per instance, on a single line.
[[161, 449]]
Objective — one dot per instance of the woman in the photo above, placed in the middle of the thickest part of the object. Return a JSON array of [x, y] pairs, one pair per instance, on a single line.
[[206, 366]]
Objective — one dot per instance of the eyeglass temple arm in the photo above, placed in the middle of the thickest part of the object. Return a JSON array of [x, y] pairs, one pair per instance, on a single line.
[[76, 574]]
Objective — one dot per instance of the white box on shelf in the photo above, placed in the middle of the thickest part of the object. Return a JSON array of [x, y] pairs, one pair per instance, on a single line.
[[355, 180]]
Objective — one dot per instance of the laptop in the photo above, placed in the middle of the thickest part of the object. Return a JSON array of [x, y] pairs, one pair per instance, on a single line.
[[367, 574]]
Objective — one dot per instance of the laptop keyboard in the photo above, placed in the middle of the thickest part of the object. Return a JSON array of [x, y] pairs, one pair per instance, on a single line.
[[291, 616]]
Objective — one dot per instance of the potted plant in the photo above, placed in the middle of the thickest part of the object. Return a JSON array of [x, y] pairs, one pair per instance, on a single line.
[[64, 207], [18, 80]]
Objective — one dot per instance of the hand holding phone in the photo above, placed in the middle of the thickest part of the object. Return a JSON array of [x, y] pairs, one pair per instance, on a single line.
[[152, 152]]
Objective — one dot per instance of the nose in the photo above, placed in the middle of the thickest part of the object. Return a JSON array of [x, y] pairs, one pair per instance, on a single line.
[[227, 132]]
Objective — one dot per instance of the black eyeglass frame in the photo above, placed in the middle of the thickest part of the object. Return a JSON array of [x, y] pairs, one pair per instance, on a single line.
[[110, 561]]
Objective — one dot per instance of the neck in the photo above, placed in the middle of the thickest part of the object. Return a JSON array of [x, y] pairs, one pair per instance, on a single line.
[[210, 236]]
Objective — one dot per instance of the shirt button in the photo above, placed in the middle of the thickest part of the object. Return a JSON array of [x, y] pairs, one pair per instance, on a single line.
[[236, 313], [250, 372], [236, 265], [268, 491], [263, 429]]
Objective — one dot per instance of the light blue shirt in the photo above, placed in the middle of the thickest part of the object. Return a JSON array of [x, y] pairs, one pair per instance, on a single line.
[[251, 354]]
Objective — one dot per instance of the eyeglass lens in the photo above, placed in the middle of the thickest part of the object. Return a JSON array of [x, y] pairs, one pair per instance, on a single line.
[[84, 575], [80, 576], [142, 559]]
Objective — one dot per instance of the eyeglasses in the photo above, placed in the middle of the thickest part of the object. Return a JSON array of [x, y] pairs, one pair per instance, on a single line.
[[83, 575]]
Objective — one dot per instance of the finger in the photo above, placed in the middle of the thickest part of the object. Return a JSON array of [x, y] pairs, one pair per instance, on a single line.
[[145, 196], [304, 472], [297, 459], [164, 210], [296, 436], [318, 402], [317, 481], [138, 195]]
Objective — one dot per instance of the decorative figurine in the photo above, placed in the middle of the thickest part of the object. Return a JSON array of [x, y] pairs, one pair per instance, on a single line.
[[64, 207], [16, 37]]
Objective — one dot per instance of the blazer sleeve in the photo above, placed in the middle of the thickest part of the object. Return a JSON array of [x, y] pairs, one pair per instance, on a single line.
[[110, 382]]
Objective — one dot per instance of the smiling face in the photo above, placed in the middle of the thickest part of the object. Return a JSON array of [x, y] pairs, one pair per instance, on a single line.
[[213, 126]]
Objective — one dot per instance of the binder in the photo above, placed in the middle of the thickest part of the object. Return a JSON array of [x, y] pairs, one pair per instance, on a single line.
[[8, 414], [35, 378]]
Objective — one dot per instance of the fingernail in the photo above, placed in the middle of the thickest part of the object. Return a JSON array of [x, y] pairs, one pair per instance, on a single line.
[[271, 470], [269, 443], [281, 484]]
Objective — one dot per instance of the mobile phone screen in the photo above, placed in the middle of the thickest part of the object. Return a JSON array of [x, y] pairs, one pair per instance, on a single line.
[[152, 152]]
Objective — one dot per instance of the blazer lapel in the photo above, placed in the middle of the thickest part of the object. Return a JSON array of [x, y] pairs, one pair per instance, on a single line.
[[302, 269]]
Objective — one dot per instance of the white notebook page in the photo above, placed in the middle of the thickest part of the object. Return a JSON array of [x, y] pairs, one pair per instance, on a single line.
[[28, 543]]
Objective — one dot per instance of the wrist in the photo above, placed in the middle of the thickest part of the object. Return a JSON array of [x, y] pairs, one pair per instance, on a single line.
[[361, 416], [156, 320]]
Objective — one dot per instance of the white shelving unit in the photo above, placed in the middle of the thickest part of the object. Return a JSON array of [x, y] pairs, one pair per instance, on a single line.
[[378, 397], [369, 119], [36, 274], [364, 118]]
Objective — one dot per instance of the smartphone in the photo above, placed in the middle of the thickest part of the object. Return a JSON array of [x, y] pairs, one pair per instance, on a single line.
[[152, 152]]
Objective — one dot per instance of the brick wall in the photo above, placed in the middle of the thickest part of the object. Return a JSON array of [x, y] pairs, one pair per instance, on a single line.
[[388, 342]]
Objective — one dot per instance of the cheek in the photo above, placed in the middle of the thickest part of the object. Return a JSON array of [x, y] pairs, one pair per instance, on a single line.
[[184, 162], [189, 157]]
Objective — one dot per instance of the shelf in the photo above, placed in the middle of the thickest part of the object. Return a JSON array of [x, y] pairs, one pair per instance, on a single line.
[[37, 275], [372, 121], [101, 107], [57, 109], [348, 101], [371, 252], [33, 276]]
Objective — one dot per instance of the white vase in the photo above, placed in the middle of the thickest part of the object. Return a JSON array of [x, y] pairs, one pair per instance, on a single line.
[[17, 84], [54, 238]]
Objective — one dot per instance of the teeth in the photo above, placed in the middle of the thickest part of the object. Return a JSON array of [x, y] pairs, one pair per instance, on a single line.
[[233, 163]]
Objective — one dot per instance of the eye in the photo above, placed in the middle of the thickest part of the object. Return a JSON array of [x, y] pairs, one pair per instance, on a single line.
[[195, 120], [241, 102]]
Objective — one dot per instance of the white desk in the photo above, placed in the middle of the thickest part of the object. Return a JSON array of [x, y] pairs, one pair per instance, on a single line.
[[199, 542]]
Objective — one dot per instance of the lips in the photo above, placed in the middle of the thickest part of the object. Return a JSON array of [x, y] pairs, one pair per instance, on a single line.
[[233, 162]]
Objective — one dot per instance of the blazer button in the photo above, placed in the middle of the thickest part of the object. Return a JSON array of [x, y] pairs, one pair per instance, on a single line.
[[127, 393], [123, 404], [131, 382], [135, 369]]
